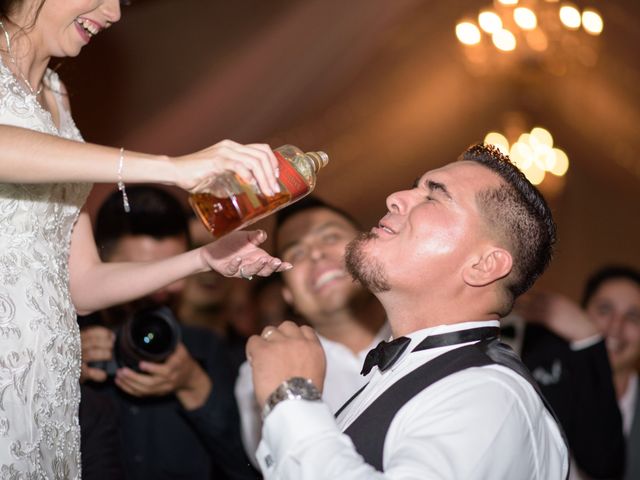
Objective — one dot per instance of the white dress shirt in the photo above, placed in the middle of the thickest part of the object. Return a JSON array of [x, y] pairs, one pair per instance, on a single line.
[[627, 404], [342, 380], [480, 423]]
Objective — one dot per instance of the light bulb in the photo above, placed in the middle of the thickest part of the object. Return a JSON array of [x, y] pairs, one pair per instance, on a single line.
[[489, 21], [498, 140], [504, 40], [592, 21], [468, 33], [570, 17], [525, 18]]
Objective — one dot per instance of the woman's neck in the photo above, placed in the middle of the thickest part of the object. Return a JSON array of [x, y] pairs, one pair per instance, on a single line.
[[22, 56]]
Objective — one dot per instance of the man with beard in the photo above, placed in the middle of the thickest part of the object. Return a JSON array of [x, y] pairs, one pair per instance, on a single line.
[[446, 399], [178, 418], [312, 235]]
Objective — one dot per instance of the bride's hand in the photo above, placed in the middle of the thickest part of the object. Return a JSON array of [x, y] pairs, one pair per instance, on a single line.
[[254, 163], [238, 255]]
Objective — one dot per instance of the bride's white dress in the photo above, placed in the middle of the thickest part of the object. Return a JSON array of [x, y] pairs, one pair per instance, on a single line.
[[39, 337]]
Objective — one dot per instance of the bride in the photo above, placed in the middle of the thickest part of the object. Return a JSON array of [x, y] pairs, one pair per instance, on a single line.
[[49, 266]]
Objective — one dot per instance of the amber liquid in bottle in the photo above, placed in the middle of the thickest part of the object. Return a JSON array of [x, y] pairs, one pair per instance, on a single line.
[[224, 215], [233, 204]]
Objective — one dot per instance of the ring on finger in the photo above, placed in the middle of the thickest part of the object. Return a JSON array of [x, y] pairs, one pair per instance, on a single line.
[[243, 275], [268, 333]]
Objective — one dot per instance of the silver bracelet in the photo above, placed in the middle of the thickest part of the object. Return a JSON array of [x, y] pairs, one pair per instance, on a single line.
[[123, 191]]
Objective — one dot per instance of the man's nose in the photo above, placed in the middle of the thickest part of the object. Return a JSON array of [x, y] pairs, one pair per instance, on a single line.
[[615, 325], [316, 252], [398, 202]]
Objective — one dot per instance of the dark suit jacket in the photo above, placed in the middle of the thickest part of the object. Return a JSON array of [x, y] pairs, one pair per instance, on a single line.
[[99, 438], [579, 387]]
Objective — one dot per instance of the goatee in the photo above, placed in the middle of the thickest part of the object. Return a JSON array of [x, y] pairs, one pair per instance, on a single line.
[[368, 271]]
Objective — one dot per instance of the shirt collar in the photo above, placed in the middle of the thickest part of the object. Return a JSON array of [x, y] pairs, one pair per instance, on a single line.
[[419, 335], [383, 334]]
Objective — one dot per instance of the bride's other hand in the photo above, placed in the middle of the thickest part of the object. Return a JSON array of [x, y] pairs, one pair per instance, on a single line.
[[238, 255]]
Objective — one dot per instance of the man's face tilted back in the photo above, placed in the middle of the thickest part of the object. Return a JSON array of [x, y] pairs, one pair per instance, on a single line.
[[429, 236], [314, 241]]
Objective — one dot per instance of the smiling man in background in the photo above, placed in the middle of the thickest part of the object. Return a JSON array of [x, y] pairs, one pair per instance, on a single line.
[[313, 236]]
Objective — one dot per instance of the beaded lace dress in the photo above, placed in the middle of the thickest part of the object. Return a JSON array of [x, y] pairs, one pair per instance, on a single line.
[[39, 337]]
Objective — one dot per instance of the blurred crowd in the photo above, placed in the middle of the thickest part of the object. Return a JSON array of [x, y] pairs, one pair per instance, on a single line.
[[192, 415]]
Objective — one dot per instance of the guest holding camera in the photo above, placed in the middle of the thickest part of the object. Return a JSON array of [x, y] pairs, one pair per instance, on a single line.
[[178, 418]]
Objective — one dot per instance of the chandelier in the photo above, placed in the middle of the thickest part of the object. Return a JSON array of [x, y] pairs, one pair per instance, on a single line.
[[535, 154], [551, 35]]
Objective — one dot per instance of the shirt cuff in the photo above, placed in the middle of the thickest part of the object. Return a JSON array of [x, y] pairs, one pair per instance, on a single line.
[[289, 427], [585, 342]]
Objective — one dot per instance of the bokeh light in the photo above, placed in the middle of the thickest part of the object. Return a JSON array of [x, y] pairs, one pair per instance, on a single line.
[[592, 21], [489, 21], [504, 40], [468, 33], [533, 153], [570, 16], [525, 18]]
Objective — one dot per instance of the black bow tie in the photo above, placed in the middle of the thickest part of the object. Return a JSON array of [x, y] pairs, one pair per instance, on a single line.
[[508, 331], [385, 354]]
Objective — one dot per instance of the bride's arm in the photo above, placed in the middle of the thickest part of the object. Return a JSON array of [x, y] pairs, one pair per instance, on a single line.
[[96, 285], [27, 156], [33, 157]]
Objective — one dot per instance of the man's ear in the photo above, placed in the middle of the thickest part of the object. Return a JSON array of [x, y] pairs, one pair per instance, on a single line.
[[287, 295], [492, 265]]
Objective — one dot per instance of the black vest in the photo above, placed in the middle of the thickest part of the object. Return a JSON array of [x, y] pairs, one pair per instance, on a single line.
[[369, 430]]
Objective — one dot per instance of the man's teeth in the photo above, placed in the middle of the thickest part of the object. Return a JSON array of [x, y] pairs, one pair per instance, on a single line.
[[327, 277], [386, 229], [89, 27]]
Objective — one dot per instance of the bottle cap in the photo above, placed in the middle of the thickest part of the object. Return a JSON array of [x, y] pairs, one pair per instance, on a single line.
[[320, 159]]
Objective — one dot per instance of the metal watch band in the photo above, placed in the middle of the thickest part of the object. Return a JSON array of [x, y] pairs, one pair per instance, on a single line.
[[296, 388]]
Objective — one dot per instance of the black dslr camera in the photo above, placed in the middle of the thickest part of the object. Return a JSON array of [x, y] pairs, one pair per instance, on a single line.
[[150, 334]]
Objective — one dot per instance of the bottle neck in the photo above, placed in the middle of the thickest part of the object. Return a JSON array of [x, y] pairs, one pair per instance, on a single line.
[[317, 159]]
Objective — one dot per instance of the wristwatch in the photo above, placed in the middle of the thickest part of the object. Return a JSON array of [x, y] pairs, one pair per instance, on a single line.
[[296, 388]]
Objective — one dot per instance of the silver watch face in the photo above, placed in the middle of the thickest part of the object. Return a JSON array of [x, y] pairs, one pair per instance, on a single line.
[[303, 387], [296, 388]]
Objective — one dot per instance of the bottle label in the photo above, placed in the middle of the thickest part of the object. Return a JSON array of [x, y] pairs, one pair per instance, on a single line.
[[290, 178]]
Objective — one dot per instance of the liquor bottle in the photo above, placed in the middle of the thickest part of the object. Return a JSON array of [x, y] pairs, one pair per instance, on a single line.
[[231, 203]]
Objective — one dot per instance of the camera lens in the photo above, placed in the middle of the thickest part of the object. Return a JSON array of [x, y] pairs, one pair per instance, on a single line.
[[151, 334]]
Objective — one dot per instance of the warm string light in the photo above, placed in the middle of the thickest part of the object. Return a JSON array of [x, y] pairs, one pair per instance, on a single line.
[[533, 153]]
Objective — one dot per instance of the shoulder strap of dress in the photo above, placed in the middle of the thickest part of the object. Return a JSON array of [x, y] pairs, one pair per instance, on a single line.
[[53, 83]]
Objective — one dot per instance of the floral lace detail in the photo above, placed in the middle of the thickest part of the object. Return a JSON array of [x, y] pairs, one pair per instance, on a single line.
[[39, 337]]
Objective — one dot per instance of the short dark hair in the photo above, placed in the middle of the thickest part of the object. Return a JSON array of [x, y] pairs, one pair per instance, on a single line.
[[309, 202], [154, 212], [603, 275], [519, 214]]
